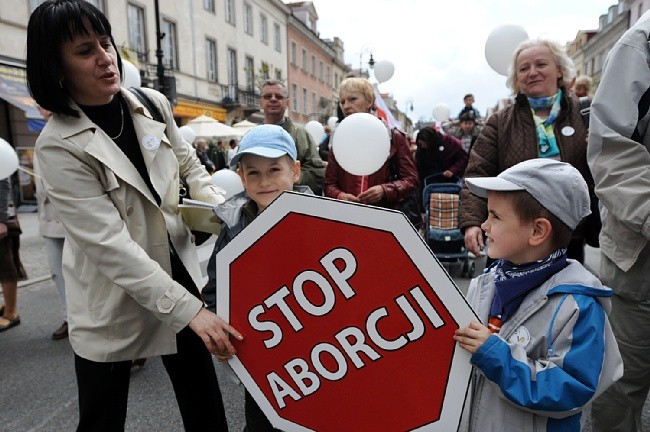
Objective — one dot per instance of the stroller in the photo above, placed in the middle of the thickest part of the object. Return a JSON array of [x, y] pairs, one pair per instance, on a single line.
[[441, 198]]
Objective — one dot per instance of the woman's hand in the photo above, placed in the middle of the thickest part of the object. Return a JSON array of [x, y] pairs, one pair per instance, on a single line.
[[347, 197], [472, 337], [474, 240], [372, 195], [448, 174], [214, 333]]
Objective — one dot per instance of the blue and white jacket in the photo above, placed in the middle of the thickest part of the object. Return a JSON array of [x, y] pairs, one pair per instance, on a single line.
[[550, 359]]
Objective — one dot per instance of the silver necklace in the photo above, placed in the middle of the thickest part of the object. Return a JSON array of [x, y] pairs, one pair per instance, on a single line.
[[122, 126]]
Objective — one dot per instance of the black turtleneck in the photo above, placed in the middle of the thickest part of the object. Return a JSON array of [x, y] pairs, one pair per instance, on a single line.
[[108, 118]]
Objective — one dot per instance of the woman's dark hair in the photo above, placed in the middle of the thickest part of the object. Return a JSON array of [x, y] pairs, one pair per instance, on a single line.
[[430, 136], [52, 24]]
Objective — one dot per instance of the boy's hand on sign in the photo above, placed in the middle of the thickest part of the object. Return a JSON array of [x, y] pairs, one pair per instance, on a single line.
[[472, 337]]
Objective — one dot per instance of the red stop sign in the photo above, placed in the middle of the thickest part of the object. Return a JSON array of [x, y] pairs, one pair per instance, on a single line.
[[348, 319]]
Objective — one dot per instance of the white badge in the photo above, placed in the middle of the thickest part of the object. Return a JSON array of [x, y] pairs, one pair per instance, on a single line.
[[520, 337], [568, 131], [150, 142], [441, 148]]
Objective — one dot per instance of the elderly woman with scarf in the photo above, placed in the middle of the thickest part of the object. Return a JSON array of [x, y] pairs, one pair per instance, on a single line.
[[544, 122]]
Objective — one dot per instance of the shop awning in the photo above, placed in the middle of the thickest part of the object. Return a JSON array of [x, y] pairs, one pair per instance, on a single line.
[[13, 89]]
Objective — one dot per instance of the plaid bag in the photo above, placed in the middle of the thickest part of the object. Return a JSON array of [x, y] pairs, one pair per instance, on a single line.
[[443, 210]]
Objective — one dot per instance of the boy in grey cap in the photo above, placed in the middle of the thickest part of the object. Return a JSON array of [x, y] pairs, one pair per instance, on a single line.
[[544, 348], [267, 164]]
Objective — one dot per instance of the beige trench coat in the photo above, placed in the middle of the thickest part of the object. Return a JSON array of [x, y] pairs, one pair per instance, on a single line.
[[122, 301]]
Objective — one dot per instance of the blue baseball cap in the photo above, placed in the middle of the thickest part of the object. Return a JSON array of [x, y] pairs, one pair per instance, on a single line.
[[269, 141]]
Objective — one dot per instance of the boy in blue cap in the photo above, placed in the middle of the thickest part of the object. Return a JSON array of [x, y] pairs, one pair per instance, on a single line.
[[544, 348], [267, 163]]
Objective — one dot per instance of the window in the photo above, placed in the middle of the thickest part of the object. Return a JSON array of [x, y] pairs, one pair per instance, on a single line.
[[264, 30], [248, 19], [170, 44], [232, 66], [313, 66], [211, 59], [328, 75], [314, 103], [33, 4], [294, 60], [137, 34], [320, 71], [99, 4], [278, 74], [250, 73], [208, 5], [277, 37], [230, 12], [304, 60], [304, 101], [294, 97]]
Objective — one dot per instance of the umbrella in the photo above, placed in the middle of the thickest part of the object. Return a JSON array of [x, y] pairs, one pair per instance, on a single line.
[[207, 127], [244, 126]]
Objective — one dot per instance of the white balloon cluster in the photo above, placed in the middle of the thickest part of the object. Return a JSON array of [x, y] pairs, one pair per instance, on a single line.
[[316, 130], [131, 74], [229, 181], [187, 133], [384, 70], [501, 44], [441, 112], [361, 144], [8, 159]]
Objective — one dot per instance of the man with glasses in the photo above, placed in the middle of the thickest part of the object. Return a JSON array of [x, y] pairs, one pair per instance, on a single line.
[[274, 101]]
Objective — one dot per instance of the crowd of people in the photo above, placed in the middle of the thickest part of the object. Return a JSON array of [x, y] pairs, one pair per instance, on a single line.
[[551, 339]]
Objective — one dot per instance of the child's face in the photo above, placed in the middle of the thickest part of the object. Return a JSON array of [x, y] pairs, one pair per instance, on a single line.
[[507, 234], [265, 179]]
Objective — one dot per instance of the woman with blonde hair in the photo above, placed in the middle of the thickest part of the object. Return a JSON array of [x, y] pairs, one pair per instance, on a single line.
[[390, 184], [543, 122]]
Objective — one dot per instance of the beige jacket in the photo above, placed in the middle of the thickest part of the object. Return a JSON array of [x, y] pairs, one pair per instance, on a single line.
[[49, 223], [122, 301]]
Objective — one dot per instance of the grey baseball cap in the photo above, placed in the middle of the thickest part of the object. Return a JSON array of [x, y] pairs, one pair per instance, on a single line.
[[269, 141], [558, 186]]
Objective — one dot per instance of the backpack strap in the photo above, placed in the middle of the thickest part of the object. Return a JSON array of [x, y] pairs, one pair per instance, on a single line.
[[148, 104]]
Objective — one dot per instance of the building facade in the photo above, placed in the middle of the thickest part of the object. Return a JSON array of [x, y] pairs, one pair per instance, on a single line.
[[214, 56]]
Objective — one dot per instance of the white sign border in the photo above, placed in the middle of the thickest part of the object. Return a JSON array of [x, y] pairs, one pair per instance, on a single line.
[[371, 217]]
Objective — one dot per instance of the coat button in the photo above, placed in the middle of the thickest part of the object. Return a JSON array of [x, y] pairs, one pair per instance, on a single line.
[[129, 210], [166, 304]]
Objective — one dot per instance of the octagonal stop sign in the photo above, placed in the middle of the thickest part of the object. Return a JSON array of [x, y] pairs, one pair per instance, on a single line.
[[348, 319]]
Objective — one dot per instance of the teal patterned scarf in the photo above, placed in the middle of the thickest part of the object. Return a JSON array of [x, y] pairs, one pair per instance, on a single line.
[[546, 138]]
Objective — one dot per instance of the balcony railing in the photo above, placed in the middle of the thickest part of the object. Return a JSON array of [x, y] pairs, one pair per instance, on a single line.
[[233, 96]]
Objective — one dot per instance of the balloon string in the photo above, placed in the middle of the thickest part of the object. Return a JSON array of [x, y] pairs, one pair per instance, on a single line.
[[362, 178], [28, 171]]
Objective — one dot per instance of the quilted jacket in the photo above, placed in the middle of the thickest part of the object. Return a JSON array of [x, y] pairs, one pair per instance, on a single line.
[[509, 137]]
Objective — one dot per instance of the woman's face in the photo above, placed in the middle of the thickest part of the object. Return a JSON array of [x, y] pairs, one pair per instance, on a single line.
[[90, 71], [354, 102], [537, 72]]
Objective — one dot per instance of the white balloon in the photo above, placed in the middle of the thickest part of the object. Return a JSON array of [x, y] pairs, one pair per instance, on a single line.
[[384, 70], [501, 44], [187, 133], [361, 144], [441, 112], [131, 75], [8, 159], [316, 130], [229, 181], [332, 121]]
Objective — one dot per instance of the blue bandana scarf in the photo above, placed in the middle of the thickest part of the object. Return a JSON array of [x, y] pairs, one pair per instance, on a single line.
[[513, 283], [545, 136]]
